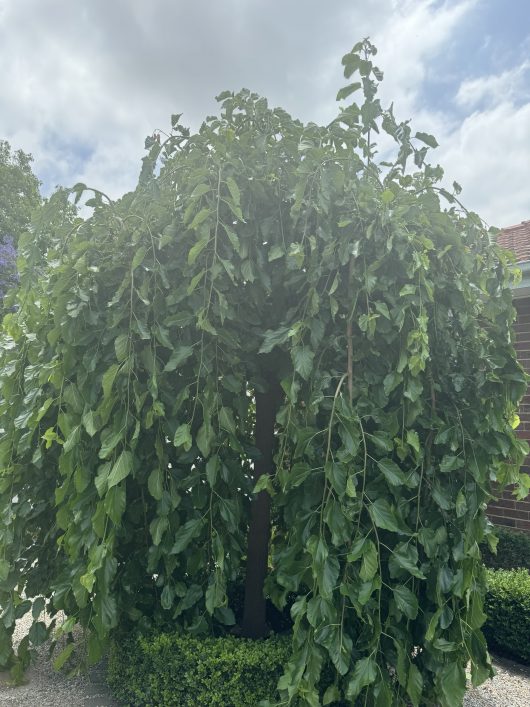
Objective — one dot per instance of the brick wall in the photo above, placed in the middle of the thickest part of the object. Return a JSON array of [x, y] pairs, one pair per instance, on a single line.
[[506, 510]]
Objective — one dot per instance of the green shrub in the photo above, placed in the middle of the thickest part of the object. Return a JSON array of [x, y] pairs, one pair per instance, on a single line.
[[178, 670], [513, 550], [507, 607]]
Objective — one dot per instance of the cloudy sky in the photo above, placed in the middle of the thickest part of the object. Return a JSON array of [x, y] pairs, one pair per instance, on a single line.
[[83, 82]]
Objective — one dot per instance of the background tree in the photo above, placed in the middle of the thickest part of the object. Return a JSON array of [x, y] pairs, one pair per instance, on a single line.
[[19, 195], [273, 316], [19, 190]]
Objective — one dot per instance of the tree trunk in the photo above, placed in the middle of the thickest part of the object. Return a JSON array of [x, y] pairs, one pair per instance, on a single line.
[[254, 623]]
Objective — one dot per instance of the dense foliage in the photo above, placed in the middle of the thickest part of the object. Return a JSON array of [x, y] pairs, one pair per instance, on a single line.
[[507, 606], [266, 254], [512, 550], [172, 669]]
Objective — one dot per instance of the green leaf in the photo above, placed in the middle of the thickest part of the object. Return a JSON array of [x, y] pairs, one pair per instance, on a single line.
[[167, 597], [346, 91], [39, 604], [277, 251], [392, 472], [264, 483], [226, 420], [109, 441], [370, 563], [158, 527], [182, 437], [384, 516], [351, 491], [63, 656], [200, 190], [205, 439], [405, 556], [326, 569], [200, 216], [302, 358], [225, 615], [451, 679], [38, 633], [451, 463], [331, 695], [336, 473], [100, 481], [115, 501], [406, 601], [185, 534], [413, 440], [179, 355], [90, 422], [338, 644], [460, 504], [195, 281], [138, 257], [121, 469], [108, 379], [273, 338], [229, 513], [212, 467], [234, 190], [4, 570], [415, 685], [197, 249], [155, 484], [121, 346], [429, 140], [298, 474], [364, 674]]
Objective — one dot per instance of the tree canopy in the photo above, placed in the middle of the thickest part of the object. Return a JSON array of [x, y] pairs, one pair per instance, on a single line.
[[262, 256]]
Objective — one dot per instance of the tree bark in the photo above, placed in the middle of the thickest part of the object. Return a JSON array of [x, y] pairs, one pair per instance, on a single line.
[[254, 624]]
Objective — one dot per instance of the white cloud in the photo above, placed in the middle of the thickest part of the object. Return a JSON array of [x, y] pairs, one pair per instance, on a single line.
[[82, 84], [488, 154], [509, 85]]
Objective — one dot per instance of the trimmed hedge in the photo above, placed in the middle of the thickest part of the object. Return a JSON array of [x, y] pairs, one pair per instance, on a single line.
[[507, 607], [513, 550], [176, 670]]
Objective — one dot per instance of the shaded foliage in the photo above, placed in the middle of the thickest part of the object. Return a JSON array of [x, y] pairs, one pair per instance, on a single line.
[[512, 550], [264, 248]]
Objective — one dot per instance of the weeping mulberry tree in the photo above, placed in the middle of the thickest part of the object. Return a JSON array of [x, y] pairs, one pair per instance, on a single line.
[[277, 362]]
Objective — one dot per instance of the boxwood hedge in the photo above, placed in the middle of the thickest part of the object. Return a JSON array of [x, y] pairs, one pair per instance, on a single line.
[[507, 607], [513, 550], [176, 670]]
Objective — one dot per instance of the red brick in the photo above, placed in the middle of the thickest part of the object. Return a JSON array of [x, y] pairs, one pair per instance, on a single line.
[[503, 503], [521, 515], [499, 520], [523, 525]]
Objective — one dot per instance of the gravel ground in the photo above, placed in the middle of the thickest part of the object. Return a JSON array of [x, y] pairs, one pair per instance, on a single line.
[[47, 688]]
